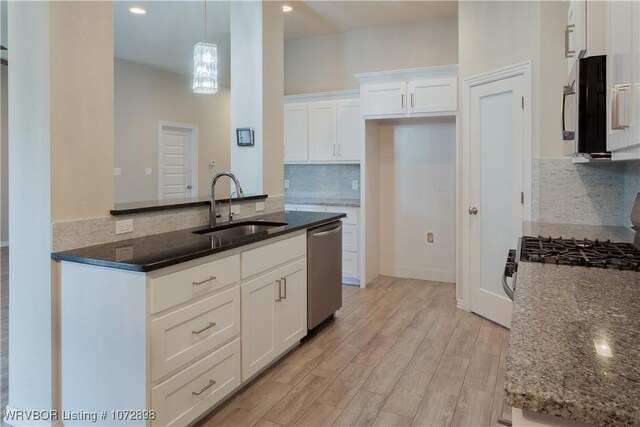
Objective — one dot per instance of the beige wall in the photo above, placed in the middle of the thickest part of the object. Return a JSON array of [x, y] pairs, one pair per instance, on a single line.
[[144, 96], [4, 157], [493, 35], [82, 132], [326, 63]]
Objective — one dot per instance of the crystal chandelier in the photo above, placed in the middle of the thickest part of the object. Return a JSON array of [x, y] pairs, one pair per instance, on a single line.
[[205, 64]]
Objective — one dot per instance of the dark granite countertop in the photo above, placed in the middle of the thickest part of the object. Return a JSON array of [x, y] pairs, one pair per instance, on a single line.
[[320, 201], [565, 320], [166, 204], [162, 250]]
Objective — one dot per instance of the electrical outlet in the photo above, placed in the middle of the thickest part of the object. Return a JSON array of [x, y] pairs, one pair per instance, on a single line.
[[286, 184], [147, 171], [440, 186], [124, 253], [259, 206], [117, 171], [124, 226], [430, 238], [354, 184], [235, 209]]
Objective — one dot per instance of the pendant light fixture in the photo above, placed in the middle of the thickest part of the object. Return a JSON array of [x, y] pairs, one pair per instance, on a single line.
[[205, 64]]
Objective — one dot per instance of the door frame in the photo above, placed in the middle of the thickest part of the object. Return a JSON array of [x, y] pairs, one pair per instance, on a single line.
[[463, 291], [193, 150]]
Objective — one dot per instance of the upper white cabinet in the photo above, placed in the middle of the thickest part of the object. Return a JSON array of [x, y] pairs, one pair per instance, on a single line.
[[295, 132], [585, 33], [407, 93], [322, 128], [623, 80]]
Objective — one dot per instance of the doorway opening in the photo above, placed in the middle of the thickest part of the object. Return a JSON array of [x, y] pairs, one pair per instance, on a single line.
[[177, 160]]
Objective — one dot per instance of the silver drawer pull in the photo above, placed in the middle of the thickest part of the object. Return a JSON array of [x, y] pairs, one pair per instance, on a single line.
[[210, 279], [198, 393], [209, 326], [279, 291], [284, 281]]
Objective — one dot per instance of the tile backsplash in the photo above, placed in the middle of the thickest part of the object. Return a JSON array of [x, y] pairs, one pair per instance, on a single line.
[[322, 181], [595, 193]]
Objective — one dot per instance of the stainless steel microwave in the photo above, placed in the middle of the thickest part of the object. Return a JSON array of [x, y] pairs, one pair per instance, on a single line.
[[584, 109]]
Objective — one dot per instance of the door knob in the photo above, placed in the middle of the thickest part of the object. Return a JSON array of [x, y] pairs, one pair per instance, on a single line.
[[473, 211]]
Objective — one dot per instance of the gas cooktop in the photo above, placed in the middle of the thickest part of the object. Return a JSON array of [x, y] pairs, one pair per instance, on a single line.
[[587, 253]]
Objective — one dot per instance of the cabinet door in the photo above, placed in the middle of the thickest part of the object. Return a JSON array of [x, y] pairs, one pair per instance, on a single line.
[[350, 262], [634, 128], [295, 132], [619, 73], [384, 98], [348, 129], [435, 95], [259, 340], [291, 322], [322, 130], [575, 36]]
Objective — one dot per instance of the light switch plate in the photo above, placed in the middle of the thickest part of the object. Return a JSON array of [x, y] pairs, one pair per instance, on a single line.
[[354, 184], [124, 226], [286, 184], [430, 238], [117, 171], [147, 171], [235, 209], [259, 206]]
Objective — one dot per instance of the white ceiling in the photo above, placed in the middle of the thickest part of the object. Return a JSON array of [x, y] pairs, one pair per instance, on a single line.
[[164, 37], [314, 18]]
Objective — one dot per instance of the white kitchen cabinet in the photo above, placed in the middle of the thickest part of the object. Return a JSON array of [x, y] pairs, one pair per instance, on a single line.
[[623, 81], [323, 131], [349, 132], [295, 133], [429, 96], [586, 31], [291, 322], [328, 125], [388, 98], [417, 92]]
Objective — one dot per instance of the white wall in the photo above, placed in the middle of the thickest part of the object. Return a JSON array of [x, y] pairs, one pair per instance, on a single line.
[[4, 156], [30, 327], [327, 63], [144, 96], [417, 195]]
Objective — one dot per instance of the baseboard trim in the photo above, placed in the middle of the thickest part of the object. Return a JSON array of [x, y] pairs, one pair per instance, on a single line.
[[419, 274], [28, 422]]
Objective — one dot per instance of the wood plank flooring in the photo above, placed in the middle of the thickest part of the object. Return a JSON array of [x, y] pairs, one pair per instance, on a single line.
[[399, 353]]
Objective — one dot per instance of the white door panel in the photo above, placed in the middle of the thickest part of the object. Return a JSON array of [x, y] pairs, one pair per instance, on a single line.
[[177, 168]]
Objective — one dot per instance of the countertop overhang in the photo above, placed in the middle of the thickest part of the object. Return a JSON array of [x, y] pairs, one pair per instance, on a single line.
[[574, 346], [158, 251]]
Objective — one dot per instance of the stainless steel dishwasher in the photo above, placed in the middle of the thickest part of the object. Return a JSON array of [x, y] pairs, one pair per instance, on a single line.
[[324, 272]]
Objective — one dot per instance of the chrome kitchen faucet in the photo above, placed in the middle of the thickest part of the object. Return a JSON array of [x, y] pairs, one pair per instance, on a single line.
[[212, 212]]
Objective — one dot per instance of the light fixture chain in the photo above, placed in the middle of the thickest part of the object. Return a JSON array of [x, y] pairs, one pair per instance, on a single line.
[[205, 20]]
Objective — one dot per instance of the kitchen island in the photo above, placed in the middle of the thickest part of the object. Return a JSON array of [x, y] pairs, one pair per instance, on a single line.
[[575, 340]]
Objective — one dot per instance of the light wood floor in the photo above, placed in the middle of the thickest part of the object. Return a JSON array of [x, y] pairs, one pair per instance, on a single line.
[[399, 353]]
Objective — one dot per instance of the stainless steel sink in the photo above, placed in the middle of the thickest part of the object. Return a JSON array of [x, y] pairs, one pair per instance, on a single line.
[[240, 229]]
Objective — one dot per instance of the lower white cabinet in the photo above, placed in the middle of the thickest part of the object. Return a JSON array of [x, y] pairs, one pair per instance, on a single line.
[[177, 341], [274, 315], [350, 237]]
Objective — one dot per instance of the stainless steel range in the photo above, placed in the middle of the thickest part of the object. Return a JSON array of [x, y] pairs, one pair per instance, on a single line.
[[573, 252]]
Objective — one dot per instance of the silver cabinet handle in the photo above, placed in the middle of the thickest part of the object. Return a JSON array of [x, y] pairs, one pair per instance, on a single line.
[[411, 100], [284, 281], [205, 388], [568, 30], [279, 291], [209, 326], [210, 279], [402, 100], [473, 211], [616, 124]]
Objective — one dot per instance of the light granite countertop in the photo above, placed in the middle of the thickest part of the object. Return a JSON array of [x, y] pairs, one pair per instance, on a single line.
[[561, 316], [348, 203]]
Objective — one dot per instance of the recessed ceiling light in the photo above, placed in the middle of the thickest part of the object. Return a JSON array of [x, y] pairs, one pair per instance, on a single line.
[[137, 10], [286, 8]]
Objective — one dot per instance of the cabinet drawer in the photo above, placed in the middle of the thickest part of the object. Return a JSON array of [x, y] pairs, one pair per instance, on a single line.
[[184, 397], [349, 237], [266, 257], [350, 266], [174, 338], [182, 286], [352, 214]]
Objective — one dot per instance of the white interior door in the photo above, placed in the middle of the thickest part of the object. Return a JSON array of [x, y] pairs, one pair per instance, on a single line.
[[496, 212], [176, 168]]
